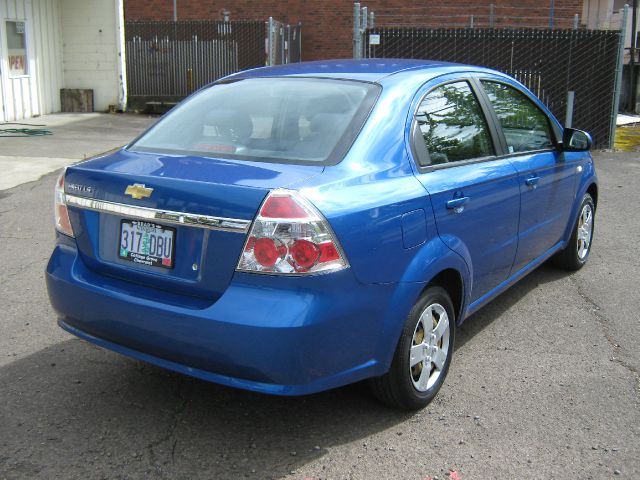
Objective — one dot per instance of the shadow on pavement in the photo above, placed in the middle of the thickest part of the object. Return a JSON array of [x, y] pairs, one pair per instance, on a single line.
[[495, 308], [74, 410]]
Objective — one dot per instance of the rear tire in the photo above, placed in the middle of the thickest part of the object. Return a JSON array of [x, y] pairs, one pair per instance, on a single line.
[[576, 253], [423, 355]]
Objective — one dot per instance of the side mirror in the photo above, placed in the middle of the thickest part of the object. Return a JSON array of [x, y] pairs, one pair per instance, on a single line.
[[574, 140]]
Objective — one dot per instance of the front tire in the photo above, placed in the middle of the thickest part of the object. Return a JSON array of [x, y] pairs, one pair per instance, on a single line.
[[576, 253], [423, 355]]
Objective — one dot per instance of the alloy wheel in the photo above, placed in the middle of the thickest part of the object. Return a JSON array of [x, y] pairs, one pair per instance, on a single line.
[[430, 347], [585, 230]]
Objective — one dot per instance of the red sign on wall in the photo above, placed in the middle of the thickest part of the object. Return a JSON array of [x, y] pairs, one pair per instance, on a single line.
[[16, 64]]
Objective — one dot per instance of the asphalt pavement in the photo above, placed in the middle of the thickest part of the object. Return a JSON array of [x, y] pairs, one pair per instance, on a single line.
[[72, 137], [544, 383]]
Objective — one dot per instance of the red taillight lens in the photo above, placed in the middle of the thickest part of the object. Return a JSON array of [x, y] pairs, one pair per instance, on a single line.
[[265, 251], [290, 236], [305, 253], [328, 252], [61, 214], [282, 207]]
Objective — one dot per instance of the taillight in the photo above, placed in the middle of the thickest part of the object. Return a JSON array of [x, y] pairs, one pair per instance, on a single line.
[[61, 214], [290, 236]]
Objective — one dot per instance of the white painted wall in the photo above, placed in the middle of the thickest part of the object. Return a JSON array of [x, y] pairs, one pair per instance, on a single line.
[[90, 51], [608, 15], [597, 14], [38, 91]]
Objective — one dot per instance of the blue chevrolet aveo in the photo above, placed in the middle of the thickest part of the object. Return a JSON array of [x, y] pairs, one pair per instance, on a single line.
[[292, 229]]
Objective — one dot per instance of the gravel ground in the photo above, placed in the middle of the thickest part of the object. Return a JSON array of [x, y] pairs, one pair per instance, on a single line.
[[544, 383]]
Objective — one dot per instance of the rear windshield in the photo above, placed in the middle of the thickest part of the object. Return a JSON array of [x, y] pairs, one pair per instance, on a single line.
[[299, 120]]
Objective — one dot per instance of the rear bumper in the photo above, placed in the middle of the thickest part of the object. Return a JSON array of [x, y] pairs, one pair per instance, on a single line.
[[278, 335]]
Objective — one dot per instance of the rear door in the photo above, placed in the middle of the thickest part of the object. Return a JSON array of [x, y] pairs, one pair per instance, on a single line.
[[547, 177], [474, 193]]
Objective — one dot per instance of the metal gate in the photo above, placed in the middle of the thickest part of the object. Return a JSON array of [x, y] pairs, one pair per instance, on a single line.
[[166, 61], [284, 42]]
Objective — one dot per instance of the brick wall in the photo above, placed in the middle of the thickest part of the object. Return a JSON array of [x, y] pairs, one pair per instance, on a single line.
[[327, 24]]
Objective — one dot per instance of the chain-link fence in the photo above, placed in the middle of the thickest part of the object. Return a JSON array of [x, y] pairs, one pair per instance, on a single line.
[[550, 62], [168, 60]]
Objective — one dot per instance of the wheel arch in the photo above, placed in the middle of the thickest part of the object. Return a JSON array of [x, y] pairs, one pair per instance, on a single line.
[[438, 264], [592, 190], [451, 280], [588, 184], [434, 264]]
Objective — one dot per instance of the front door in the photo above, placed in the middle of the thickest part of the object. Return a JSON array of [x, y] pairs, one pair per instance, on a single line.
[[475, 195], [547, 177]]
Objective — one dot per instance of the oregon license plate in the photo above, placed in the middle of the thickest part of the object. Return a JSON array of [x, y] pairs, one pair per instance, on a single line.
[[147, 243]]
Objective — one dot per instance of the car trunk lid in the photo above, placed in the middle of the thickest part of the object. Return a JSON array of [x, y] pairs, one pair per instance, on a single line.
[[208, 204]]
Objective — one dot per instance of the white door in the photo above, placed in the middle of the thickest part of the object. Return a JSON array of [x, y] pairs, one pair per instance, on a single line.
[[2, 115], [12, 71], [3, 75], [18, 74]]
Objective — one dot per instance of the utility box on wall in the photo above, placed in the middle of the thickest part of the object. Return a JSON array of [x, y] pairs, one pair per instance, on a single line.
[[76, 100]]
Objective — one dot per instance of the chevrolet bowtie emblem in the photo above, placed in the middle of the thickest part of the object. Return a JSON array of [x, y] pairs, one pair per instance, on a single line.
[[138, 191]]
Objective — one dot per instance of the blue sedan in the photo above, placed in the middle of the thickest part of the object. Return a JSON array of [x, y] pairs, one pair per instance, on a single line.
[[293, 229]]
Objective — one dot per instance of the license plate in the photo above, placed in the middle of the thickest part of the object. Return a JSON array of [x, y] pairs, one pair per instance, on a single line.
[[147, 243]]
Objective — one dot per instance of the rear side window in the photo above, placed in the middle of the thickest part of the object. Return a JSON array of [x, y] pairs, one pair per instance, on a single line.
[[525, 126], [452, 124], [274, 119]]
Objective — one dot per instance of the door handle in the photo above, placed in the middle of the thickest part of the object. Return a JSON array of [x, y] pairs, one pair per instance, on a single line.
[[532, 181], [457, 203]]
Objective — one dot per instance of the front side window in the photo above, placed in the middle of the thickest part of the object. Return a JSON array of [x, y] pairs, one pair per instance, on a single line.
[[274, 119], [16, 48], [452, 124], [525, 126]]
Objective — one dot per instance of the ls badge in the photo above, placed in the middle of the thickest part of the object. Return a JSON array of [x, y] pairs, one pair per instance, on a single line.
[[138, 191]]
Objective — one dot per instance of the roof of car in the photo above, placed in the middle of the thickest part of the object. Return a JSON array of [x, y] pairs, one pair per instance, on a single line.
[[372, 69]]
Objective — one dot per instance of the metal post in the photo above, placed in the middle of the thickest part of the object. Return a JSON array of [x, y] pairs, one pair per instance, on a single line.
[[270, 52], [632, 60], [576, 21], [357, 50], [618, 87], [568, 122], [299, 42], [372, 25], [282, 44], [551, 13], [287, 45], [364, 16], [175, 10], [189, 81], [491, 14]]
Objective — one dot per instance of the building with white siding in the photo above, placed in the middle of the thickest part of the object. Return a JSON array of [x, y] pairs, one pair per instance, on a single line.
[[49, 45]]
